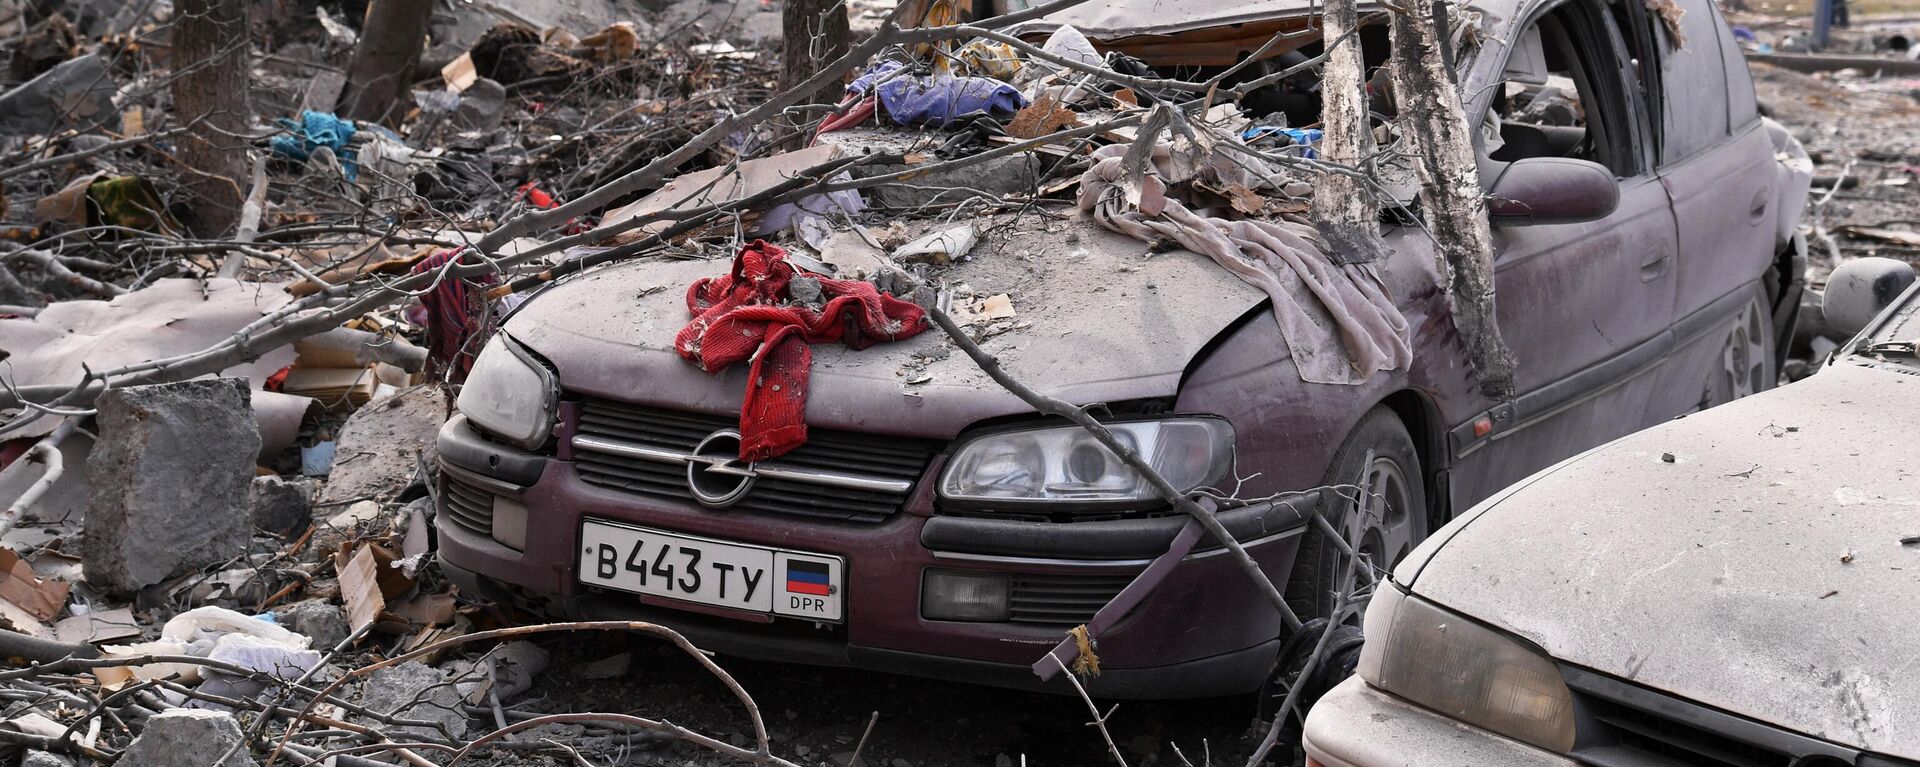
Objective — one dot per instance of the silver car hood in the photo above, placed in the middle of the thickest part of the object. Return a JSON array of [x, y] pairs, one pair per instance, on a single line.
[[1098, 319], [1761, 572]]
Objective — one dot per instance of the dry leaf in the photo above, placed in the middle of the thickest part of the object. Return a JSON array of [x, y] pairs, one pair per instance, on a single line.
[[1045, 116], [1246, 200], [1670, 14]]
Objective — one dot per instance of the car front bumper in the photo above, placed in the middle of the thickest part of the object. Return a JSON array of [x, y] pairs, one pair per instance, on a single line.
[[1152, 653], [1357, 725]]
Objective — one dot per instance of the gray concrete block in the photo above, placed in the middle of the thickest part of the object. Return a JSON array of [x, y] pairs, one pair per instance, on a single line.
[[282, 506], [324, 623], [187, 738], [172, 478], [414, 690]]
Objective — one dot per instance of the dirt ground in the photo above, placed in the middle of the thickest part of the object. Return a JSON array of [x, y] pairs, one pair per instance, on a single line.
[[1858, 127], [817, 715]]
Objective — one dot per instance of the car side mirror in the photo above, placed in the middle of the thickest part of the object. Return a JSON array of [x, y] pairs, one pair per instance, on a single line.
[[1551, 190], [1860, 289]]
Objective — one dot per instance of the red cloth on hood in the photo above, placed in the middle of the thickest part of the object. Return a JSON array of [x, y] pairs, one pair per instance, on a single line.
[[747, 310]]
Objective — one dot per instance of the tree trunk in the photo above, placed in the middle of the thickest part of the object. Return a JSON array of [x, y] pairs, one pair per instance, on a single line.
[[813, 32], [380, 76], [1344, 209], [1432, 117], [210, 39]]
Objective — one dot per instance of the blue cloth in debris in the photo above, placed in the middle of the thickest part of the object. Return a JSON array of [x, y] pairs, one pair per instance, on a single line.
[[863, 84], [936, 101], [1304, 138], [943, 101], [315, 130]]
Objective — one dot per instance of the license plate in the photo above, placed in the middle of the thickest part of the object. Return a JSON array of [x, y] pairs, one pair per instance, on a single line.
[[710, 572]]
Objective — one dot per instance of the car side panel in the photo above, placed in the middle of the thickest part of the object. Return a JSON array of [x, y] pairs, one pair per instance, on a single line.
[[1586, 309], [1724, 200]]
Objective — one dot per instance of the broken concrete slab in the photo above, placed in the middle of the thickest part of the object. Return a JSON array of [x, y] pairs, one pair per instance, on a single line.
[[172, 481], [319, 620], [383, 445], [414, 690], [187, 738], [282, 506]]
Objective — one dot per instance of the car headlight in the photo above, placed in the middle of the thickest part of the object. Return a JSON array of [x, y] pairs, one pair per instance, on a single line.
[[1066, 463], [1465, 670], [510, 394]]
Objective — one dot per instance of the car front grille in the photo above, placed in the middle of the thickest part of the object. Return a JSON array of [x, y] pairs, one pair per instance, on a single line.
[[1629, 725], [1061, 600], [467, 505], [877, 457]]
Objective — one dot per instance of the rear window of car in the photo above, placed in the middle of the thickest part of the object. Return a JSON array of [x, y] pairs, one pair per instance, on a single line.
[[1708, 89]]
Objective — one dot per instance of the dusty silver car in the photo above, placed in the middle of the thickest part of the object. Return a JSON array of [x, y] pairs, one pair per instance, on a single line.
[[1737, 587]]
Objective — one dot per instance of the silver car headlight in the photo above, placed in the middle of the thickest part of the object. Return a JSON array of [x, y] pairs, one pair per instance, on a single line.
[[1066, 463], [1465, 670], [510, 394]]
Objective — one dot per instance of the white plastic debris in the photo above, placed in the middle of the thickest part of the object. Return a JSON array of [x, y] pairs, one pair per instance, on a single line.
[[939, 247], [201, 627]]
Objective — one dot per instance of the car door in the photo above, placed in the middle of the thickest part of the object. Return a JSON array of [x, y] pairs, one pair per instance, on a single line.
[[1716, 164], [1585, 307]]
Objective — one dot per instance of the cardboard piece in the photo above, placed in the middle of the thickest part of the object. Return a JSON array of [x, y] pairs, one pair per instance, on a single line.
[[40, 598], [425, 609], [18, 619], [333, 387], [98, 628], [360, 588], [712, 187], [459, 73]]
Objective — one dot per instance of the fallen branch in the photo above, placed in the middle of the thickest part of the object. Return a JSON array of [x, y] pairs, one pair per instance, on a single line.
[[46, 451]]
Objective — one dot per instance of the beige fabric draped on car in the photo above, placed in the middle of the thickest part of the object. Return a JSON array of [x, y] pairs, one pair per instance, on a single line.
[[1338, 320]]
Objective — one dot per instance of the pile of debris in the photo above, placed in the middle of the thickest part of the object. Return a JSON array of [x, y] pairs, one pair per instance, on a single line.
[[218, 469], [188, 563]]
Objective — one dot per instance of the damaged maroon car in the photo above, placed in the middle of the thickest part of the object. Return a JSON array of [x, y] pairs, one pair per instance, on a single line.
[[933, 524]]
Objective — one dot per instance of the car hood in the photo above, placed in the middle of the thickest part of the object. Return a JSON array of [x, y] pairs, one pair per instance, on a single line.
[[1097, 318], [1759, 571]]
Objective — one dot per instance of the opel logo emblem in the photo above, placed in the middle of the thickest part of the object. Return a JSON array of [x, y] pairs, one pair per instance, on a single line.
[[715, 473]]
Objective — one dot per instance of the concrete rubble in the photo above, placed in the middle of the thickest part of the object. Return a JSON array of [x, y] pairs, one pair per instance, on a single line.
[[183, 738], [382, 446], [282, 506], [163, 449], [417, 691]]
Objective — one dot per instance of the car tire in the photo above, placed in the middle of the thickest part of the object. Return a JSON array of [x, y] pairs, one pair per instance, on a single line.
[[1746, 364], [1397, 487]]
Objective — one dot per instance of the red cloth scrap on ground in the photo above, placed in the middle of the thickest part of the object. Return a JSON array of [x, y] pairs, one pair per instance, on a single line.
[[452, 315], [747, 311]]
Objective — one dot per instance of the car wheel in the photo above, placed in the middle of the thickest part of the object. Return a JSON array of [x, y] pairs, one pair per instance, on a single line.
[[1386, 514], [1341, 658], [1746, 358]]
